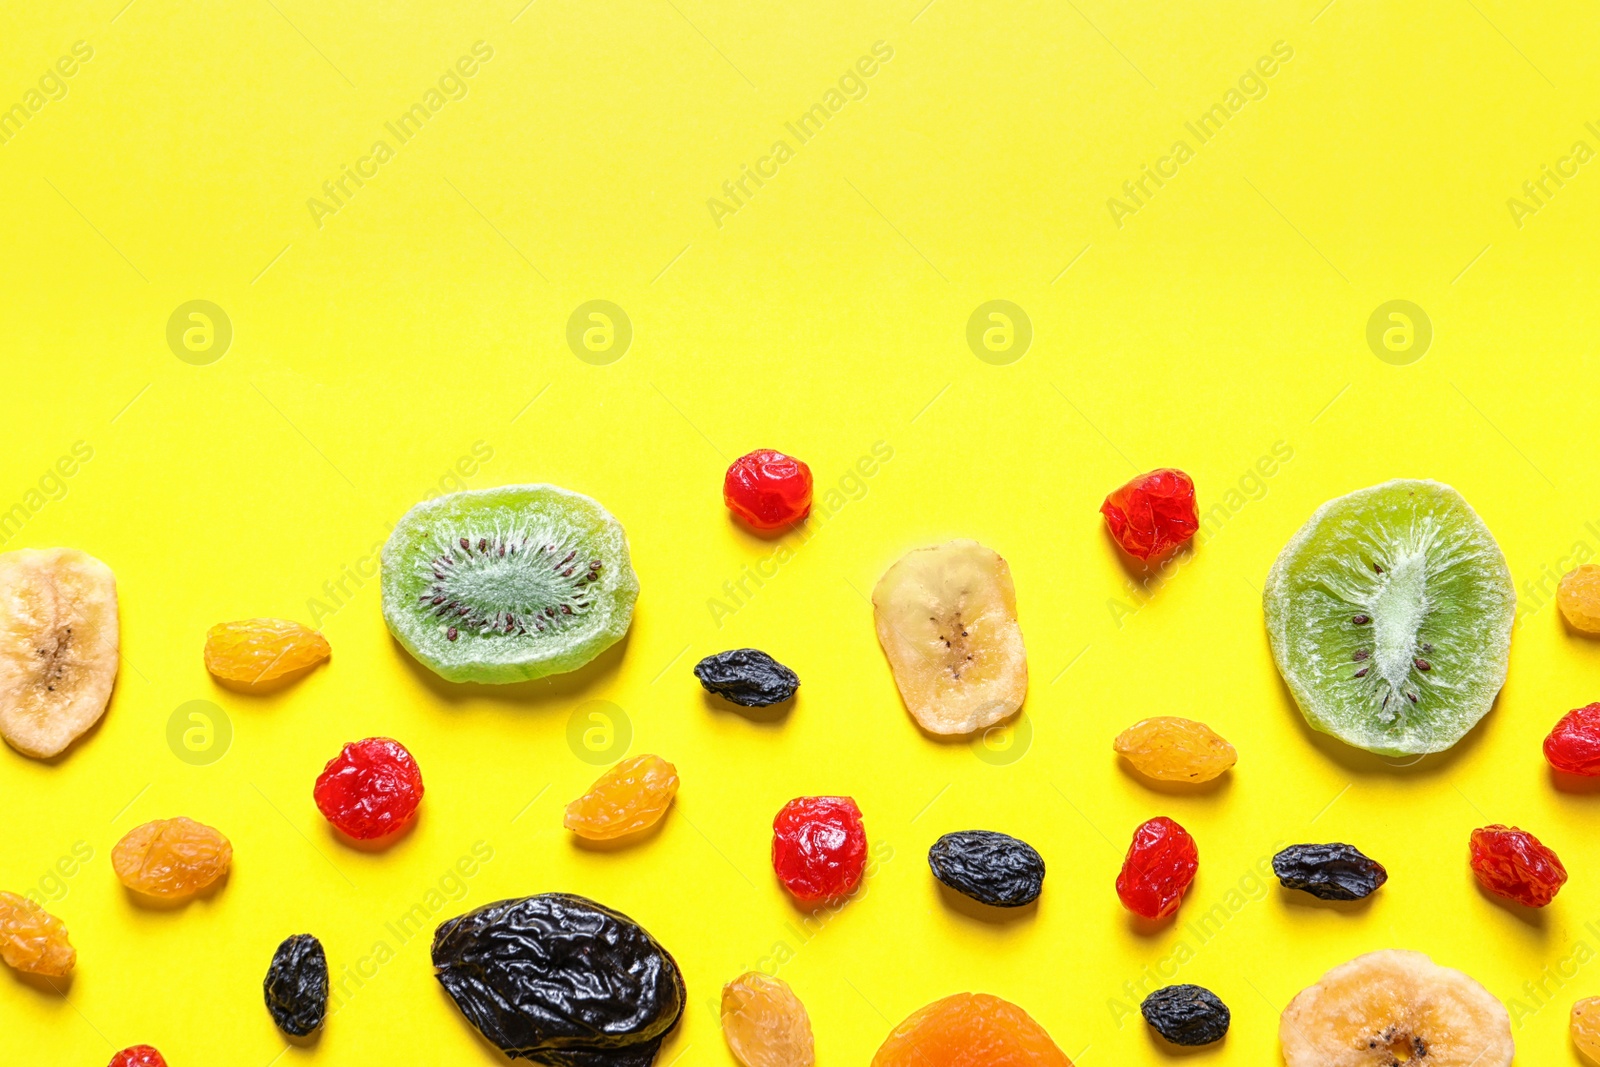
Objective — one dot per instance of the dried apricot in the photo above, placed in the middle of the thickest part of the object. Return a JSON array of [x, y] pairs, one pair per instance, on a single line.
[[171, 858], [765, 1024], [259, 650], [629, 797], [1579, 598], [1171, 749], [970, 1030], [33, 940]]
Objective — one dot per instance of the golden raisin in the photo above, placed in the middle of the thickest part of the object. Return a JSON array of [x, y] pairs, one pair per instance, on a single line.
[[1579, 597], [33, 940], [765, 1023], [171, 858], [259, 650], [970, 1030], [1171, 749], [1586, 1028], [629, 797]]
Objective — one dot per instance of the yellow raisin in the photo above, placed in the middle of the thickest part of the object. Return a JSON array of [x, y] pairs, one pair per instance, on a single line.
[[629, 797], [171, 858], [1586, 1028], [33, 940], [765, 1024], [1171, 749], [1579, 597], [259, 650]]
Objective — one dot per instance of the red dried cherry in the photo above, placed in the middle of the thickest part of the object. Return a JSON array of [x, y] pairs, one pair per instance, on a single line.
[[138, 1056], [1160, 866], [369, 789], [819, 847], [768, 489], [1574, 745], [1152, 514], [1513, 864]]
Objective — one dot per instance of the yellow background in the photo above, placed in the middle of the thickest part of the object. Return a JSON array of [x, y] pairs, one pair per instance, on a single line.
[[427, 317]]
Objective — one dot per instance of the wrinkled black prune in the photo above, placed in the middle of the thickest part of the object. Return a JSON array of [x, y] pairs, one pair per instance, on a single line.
[[296, 986], [1186, 1014], [1329, 872], [747, 677], [562, 980], [991, 868]]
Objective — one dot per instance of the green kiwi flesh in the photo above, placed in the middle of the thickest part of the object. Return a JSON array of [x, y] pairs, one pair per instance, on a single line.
[[1389, 615], [507, 584]]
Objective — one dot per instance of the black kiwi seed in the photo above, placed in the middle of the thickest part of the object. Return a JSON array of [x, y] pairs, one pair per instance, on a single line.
[[1361, 620], [1362, 673], [1423, 665], [1360, 654]]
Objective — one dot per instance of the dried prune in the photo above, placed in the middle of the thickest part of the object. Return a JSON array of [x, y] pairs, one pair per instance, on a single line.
[[1160, 866], [296, 986], [32, 940], [1514, 864], [819, 847], [1186, 1014], [560, 979], [747, 677], [1329, 872], [991, 868], [138, 1056]]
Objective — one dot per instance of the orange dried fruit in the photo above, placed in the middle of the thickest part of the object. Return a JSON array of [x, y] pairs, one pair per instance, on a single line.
[[259, 650], [33, 940], [1170, 749], [765, 1024], [1585, 1028], [171, 858], [630, 797], [970, 1030], [1579, 598]]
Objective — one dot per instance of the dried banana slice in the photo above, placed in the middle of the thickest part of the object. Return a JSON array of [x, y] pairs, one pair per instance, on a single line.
[[947, 619], [58, 646]]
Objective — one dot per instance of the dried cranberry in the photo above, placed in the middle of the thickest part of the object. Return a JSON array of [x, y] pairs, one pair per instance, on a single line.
[[1152, 514], [138, 1056], [370, 789], [1574, 745], [768, 489], [1513, 864], [1160, 866], [819, 847]]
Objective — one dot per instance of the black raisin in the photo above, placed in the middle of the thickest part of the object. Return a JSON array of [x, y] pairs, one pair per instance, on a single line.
[[1329, 872], [1186, 1014], [747, 677], [562, 980], [991, 868], [296, 986]]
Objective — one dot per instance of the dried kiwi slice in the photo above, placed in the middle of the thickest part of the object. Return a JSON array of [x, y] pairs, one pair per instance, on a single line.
[[1390, 617], [507, 584]]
